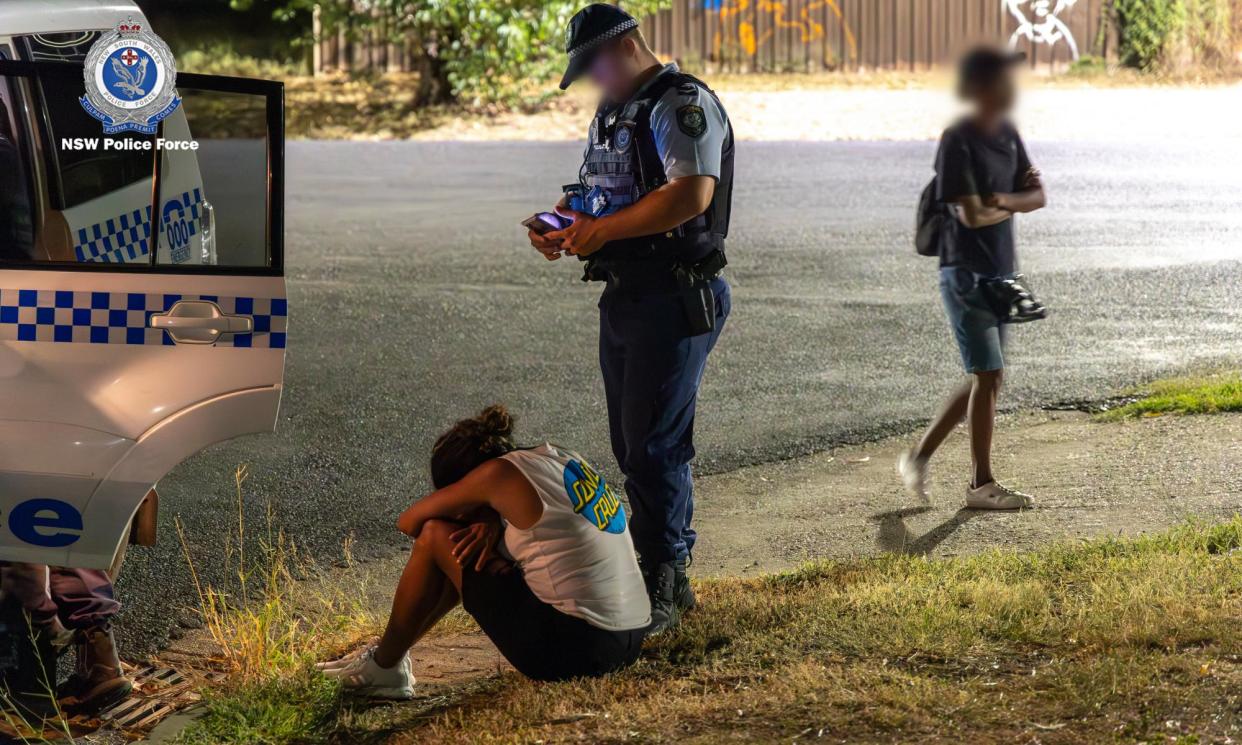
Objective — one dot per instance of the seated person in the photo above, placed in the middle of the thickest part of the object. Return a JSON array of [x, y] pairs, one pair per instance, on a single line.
[[532, 542]]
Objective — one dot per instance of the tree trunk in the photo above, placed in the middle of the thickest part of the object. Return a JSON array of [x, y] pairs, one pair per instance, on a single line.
[[433, 82]]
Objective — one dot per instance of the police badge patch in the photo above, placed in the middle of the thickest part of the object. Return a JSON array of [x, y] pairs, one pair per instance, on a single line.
[[624, 136], [131, 80], [691, 120]]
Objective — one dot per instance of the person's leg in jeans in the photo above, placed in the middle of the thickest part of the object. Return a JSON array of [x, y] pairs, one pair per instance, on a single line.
[[86, 604], [980, 339], [27, 586]]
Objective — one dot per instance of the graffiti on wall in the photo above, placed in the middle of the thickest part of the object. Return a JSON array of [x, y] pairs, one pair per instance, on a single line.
[[739, 20], [1039, 22]]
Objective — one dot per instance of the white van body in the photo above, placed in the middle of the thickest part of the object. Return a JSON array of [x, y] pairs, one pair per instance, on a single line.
[[117, 366]]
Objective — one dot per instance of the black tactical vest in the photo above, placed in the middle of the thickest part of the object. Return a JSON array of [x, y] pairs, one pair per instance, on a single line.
[[622, 166]]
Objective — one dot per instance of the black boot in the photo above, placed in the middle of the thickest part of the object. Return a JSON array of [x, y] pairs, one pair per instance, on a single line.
[[28, 666], [661, 589], [683, 595]]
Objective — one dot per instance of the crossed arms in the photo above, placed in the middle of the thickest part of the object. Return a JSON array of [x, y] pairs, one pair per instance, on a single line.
[[974, 211]]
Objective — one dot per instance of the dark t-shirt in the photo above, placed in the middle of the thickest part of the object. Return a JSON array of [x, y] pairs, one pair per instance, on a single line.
[[972, 162]]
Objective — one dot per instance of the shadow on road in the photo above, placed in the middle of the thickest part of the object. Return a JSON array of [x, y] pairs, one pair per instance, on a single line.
[[895, 537]]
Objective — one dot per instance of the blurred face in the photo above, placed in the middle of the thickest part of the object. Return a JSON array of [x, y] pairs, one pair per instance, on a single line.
[[614, 69], [997, 96]]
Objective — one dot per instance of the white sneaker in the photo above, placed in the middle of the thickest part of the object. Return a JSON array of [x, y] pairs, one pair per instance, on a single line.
[[362, 676], [345, 661], [996, 496], [913, 472]]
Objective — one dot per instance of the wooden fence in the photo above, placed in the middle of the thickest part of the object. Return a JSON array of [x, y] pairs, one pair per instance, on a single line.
[[807, 35]]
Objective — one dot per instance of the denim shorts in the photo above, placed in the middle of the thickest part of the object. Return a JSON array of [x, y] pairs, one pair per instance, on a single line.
[[979, 333]]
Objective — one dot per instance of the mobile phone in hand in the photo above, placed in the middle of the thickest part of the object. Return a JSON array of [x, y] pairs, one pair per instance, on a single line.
[[545, 222]]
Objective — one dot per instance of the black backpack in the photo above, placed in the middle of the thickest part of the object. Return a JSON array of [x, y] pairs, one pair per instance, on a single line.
[[929, 222]]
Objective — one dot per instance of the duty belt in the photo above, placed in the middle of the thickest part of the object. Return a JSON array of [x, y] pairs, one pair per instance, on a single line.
[[654, 277]]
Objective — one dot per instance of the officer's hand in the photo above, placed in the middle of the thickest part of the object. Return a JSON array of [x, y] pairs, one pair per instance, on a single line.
[[583, 238], [550, 249]]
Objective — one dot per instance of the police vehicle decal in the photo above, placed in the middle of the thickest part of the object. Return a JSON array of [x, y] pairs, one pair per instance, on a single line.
[[593, 497], [60, 316], [127, 237]]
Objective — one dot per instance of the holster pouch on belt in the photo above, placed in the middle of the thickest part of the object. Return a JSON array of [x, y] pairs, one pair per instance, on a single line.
[[698, 300]]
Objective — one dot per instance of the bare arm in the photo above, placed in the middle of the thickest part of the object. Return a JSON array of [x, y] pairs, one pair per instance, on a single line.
[[496, 484], [677, 202], [973, 213], [1027, 200]]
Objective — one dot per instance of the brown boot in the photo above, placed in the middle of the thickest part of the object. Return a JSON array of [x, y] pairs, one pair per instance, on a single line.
[[98, 681]]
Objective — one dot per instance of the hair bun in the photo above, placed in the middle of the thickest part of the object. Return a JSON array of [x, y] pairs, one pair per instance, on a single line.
[[496, 421]]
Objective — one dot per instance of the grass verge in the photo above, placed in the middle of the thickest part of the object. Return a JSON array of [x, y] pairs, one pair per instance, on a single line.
[[1109, 640], [1204, 395]]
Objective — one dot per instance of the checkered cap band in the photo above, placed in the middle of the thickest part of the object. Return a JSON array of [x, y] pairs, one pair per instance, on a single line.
[[611, 33]]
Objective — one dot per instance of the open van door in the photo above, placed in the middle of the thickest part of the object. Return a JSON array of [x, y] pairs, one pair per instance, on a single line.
[[142, 300]]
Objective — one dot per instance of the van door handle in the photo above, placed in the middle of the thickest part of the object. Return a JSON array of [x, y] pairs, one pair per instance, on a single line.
[[199, 322]]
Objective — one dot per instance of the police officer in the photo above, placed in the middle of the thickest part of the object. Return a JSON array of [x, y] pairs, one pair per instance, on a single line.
[[649, 217]]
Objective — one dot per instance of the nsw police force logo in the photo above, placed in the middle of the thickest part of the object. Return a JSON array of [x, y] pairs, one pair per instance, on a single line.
[[131, 80]]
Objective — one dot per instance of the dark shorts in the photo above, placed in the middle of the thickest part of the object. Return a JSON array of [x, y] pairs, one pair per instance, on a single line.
[[539, 640], [979, 333]]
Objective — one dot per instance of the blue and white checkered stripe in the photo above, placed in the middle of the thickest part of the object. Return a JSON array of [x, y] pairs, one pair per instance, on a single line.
[[124, 317], [127, 237]]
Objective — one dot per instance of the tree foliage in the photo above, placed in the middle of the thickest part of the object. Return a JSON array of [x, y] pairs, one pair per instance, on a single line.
[[476, 50], [1147, 30]]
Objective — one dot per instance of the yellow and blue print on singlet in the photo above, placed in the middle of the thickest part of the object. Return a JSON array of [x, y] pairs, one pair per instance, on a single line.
[[593, 498]]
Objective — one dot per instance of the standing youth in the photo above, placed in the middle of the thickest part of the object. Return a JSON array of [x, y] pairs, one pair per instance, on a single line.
[[984, 177]]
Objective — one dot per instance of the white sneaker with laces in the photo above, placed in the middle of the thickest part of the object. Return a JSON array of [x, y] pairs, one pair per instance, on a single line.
[[363, 677], [345, 661], [997, 496], [913, 472]]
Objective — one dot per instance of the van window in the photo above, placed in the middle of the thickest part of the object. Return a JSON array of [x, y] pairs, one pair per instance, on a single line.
[[65, 47], [82, 175], [16, 213], [215, 206], [221, 186]]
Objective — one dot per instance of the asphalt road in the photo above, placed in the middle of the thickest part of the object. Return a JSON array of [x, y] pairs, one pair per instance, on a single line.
[[415, 301]]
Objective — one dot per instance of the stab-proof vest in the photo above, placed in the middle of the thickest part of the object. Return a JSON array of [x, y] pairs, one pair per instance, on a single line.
[[622, 166]]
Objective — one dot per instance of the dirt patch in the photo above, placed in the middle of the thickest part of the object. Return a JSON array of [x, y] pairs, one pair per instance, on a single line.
[[1088, 478]]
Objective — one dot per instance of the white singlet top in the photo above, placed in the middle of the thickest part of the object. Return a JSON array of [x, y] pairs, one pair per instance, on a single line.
[[579, 557]]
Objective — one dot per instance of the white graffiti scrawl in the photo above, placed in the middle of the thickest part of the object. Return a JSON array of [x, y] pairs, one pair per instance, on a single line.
[[1039, 22]]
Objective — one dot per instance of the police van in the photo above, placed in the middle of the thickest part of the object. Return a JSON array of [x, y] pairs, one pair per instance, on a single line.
[[143, 312]]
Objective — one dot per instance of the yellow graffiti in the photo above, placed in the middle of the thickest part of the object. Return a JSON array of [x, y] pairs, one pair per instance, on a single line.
[[810, 30]]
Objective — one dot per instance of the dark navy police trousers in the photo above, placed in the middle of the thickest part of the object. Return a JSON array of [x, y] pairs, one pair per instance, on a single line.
[[652, 370]]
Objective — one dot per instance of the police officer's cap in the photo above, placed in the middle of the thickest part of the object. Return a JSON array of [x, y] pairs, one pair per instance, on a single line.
[[588, 30]]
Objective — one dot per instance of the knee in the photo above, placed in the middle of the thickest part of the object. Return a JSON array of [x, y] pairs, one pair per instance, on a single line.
[[435, 533], [989, 380]]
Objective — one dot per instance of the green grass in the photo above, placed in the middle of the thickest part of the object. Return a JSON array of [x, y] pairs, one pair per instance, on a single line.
[[1114, 640], [1206, 395]]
